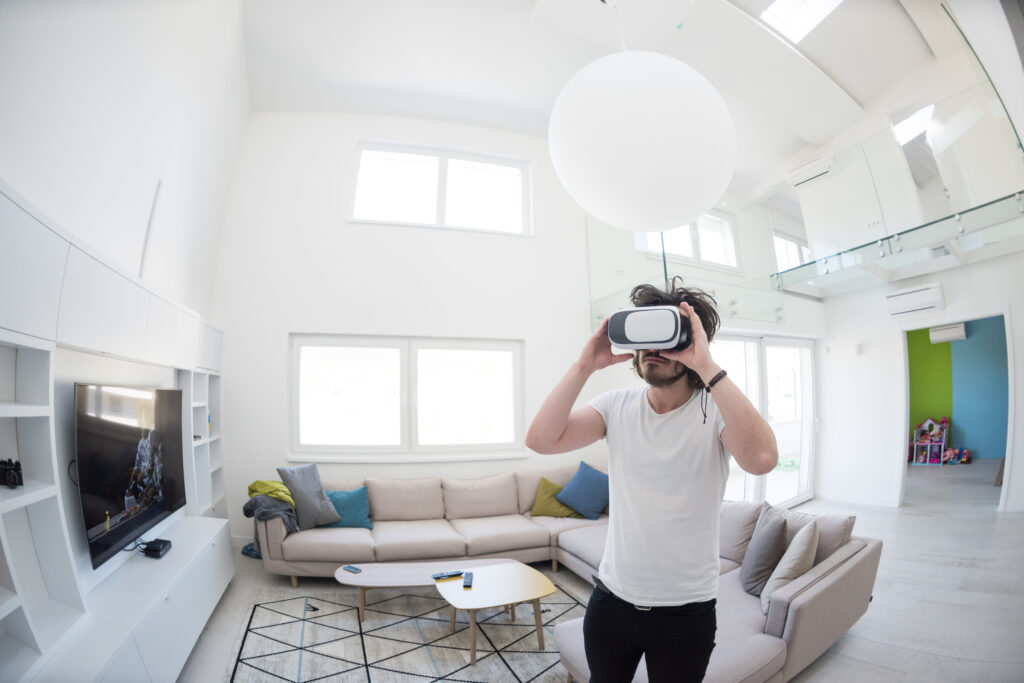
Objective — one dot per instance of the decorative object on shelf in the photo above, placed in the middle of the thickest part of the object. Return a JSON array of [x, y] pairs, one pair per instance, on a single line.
[[10, 473], [642, 141]]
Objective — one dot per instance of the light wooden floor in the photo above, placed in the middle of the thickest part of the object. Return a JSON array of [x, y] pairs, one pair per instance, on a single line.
[[949, 597], [948, 602]]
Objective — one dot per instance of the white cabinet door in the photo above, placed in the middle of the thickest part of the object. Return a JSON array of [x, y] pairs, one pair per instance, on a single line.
[[31, 271], [102, 309], [172, 335], [127, 666], [167, 634]]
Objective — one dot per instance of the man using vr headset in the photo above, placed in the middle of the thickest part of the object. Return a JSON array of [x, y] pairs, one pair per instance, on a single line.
[[669, 445]]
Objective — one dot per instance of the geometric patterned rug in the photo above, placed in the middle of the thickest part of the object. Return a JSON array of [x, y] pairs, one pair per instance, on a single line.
[[406, 637]]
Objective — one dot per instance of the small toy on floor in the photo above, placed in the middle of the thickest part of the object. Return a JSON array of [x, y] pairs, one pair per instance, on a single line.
[[953, 456]]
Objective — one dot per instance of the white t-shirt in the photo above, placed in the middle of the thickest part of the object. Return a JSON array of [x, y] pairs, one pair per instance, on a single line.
[[667, 475]]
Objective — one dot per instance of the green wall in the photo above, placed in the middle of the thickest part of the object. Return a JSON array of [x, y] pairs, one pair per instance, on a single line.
[[931, 379]]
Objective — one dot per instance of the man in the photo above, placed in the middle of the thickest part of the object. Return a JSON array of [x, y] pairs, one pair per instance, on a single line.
[[668, 461]]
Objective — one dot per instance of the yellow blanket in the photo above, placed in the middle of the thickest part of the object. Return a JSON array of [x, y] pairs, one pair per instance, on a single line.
[[274, 489]]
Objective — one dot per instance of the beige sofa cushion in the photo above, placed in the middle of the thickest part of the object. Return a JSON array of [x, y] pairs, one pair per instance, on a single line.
[[405, 499], [341, 545], [586, 543], [420, 539], [556, 525], [497, 534], [483, 497], [736, 526], [834, 531], [527, 483]]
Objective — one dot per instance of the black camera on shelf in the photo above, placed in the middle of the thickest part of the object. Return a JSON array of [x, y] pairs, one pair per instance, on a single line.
[[10, 473]]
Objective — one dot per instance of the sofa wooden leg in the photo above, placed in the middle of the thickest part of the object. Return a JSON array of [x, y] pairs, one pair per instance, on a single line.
[[554, 564], [295, 582], [568, 678]]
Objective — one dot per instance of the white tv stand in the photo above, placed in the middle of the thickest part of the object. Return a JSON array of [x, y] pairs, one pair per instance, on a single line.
[[142, 621]]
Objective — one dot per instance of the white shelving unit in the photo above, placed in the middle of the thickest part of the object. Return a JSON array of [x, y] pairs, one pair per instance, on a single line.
[[204, 469], [40, 597]]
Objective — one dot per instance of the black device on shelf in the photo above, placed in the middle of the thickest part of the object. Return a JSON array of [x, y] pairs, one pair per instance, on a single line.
[[158, 547], [10, 473], [131, 475]]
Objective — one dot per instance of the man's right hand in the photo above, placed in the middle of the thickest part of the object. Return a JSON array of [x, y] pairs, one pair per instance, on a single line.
[[557, 428], [597, 354]]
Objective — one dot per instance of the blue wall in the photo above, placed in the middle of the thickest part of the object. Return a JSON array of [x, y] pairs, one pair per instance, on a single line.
[[981, 389]]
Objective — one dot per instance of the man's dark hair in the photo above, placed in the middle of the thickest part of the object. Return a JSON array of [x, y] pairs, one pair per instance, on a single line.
[[703, 305]]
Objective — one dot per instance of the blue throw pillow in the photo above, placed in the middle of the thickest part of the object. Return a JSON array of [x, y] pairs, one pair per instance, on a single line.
[[353, 506], [586, 492]]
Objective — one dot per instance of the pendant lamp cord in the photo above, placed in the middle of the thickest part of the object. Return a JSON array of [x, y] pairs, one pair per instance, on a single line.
[[614, 4]]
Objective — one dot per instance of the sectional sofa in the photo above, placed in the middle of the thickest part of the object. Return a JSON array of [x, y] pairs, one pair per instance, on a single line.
[[451, 519], [427, 519]]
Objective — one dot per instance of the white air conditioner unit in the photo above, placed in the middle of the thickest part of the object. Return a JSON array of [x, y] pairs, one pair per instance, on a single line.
[[916, 300], [812, 171], [947, 333]]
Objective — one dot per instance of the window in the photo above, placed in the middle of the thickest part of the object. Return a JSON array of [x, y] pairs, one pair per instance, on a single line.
[[796, 18], [790, 253], [436, 188], [404, 395], [708, 240]]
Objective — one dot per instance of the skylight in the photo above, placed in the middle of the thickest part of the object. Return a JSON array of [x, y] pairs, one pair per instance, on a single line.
[[912, 126], [796, 18]]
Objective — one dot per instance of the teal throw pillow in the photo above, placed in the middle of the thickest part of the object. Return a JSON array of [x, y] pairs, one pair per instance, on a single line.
[[586, 492], [353, 506]]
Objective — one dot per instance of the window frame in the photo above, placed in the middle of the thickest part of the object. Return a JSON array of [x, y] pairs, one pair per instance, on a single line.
[[444, 155], [640, 238], [803, 247], [408, 450]]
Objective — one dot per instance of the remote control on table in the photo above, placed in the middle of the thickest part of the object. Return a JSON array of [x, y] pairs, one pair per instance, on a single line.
[[441, 576], [467, 580], [350, 568]]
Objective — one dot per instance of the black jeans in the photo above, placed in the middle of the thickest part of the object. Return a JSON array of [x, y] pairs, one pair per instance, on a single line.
[[677, 641]]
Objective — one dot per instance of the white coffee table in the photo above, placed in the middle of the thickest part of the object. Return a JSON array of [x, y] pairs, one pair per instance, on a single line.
[[403, 574], [505, 584]]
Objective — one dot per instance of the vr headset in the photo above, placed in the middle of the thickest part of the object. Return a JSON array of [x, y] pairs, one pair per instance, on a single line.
[[650, 327]]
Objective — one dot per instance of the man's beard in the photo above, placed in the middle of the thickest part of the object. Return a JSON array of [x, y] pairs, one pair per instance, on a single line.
[[659, 379]]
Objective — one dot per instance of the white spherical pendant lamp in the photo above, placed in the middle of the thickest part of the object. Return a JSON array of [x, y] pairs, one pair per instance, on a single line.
[[642, 141]]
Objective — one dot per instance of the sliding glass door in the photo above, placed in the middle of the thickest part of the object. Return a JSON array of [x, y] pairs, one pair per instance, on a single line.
[[789, 410], [776, 375]]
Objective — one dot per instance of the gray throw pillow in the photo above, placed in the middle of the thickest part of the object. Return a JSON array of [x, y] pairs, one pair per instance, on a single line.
[[766, 548], [312, 506]]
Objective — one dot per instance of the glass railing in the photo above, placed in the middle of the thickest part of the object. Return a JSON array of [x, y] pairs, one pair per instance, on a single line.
[[992, 229], [903, 200]]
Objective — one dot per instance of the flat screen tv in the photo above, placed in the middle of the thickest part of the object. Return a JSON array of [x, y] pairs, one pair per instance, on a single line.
[[128, 446]]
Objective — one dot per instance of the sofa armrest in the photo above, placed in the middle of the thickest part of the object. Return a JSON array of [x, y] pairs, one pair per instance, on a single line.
[[814, 611], [270, 536]]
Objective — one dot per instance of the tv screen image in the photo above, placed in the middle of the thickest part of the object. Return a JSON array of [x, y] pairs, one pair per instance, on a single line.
[[128, 445]]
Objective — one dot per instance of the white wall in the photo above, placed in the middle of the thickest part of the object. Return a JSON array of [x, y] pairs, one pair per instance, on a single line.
[[291, 263], [103, 99], [862, 379]]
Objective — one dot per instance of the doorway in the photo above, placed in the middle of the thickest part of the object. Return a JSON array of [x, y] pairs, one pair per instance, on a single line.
[[959, 403]]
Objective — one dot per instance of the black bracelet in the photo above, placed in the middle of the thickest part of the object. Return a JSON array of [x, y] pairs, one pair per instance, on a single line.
[[716, 378]]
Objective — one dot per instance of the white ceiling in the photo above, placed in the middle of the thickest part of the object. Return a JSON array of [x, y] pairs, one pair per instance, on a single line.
[[501, 63]]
